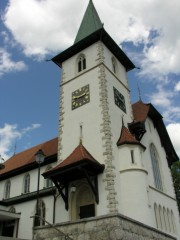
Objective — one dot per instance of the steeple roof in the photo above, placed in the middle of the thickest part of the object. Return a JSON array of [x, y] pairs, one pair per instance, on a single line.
[[141, 112], [90, 23], [72, 168], [91, 31], [80, 154], [127, 138]]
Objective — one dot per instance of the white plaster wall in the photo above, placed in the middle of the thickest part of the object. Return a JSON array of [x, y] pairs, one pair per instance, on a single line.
[[134, 195], [132, 178], [89, 115], [121, 72], [167, 202], [18, 181], [153, 137], [167, 197], [27, 210], [70, 65], [61, 215]]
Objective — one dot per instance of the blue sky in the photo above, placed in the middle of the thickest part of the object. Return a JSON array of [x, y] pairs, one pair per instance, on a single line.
[[32, 31]]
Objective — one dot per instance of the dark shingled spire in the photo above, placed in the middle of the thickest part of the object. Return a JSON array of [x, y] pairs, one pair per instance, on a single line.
[[90, 23]]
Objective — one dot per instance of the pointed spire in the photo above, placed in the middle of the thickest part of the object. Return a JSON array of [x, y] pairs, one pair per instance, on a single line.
[[90, 23], [126, 137]]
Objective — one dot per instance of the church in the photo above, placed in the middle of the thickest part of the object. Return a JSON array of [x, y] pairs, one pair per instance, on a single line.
[[107, 174]]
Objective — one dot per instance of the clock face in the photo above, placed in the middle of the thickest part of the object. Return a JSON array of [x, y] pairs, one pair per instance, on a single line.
[[80, 97], [119, 100]]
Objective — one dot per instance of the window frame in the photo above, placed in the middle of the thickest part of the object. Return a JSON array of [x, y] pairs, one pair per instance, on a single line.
[[48, 182], [81, 63], [26, 184], [7, 189], [42, 213], [114, 65], [156, 167]]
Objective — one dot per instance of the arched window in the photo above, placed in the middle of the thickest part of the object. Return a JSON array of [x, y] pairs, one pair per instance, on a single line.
[[48, 182], [173, 222], [7, 189], [156, 215], [169, 220], [12, 209], [114, 65], [26, 187], [161, 217], [155, 167], [165, 219], [81, 62], [39, 221]]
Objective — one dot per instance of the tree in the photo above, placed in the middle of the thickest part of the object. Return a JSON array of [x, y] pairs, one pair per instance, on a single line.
[[175, 170]]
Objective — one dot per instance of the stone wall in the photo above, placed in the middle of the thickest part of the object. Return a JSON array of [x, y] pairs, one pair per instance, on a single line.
[[109, 227], [10, 238]]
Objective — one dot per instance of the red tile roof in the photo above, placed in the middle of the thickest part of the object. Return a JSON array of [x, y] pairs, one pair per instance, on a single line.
[[27, 157], [140, 111], [79, 154], [126, 137]]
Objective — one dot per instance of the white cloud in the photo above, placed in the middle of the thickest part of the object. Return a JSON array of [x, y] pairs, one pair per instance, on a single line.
[[9, 133], [162, 97], [8, 65], [174, 133], [177, 87], [165, 99], [43, 27]]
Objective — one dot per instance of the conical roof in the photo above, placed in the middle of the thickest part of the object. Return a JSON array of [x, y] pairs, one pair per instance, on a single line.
[[90, 23], [126, 137]]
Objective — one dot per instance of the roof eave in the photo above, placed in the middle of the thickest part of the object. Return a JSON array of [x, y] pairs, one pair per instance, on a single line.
[[131, 143], [99, 35], [67, 168]]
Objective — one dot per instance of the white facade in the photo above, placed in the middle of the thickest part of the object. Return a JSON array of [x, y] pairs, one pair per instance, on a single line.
[[135, 193], [127, 184]]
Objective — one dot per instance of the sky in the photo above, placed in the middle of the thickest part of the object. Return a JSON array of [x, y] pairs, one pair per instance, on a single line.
[[34, 31]]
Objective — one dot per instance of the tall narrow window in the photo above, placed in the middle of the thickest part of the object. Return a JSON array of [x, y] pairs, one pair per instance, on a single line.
[[7, 189], [12, 210], [173, 222], [81, 63], [26, 183], [157, 216], [132, 156], [40, 221], [155, 167], [114, 65], [48, 182]]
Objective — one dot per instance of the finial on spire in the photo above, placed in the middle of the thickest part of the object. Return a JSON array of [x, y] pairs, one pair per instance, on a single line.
[[139, 91], [81, 133], [15, 147], [123, 120]]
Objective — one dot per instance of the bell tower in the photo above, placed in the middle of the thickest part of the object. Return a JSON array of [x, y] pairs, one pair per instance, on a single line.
[[94, 98]]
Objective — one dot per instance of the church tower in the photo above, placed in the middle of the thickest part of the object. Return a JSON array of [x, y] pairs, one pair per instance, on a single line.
[[102, 154], [94, 99]]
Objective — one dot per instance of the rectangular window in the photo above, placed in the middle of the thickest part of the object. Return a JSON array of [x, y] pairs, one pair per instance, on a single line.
[[87, 211], [132, 156]]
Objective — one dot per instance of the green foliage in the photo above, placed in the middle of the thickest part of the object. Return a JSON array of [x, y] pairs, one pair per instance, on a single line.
[[175, 170]]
